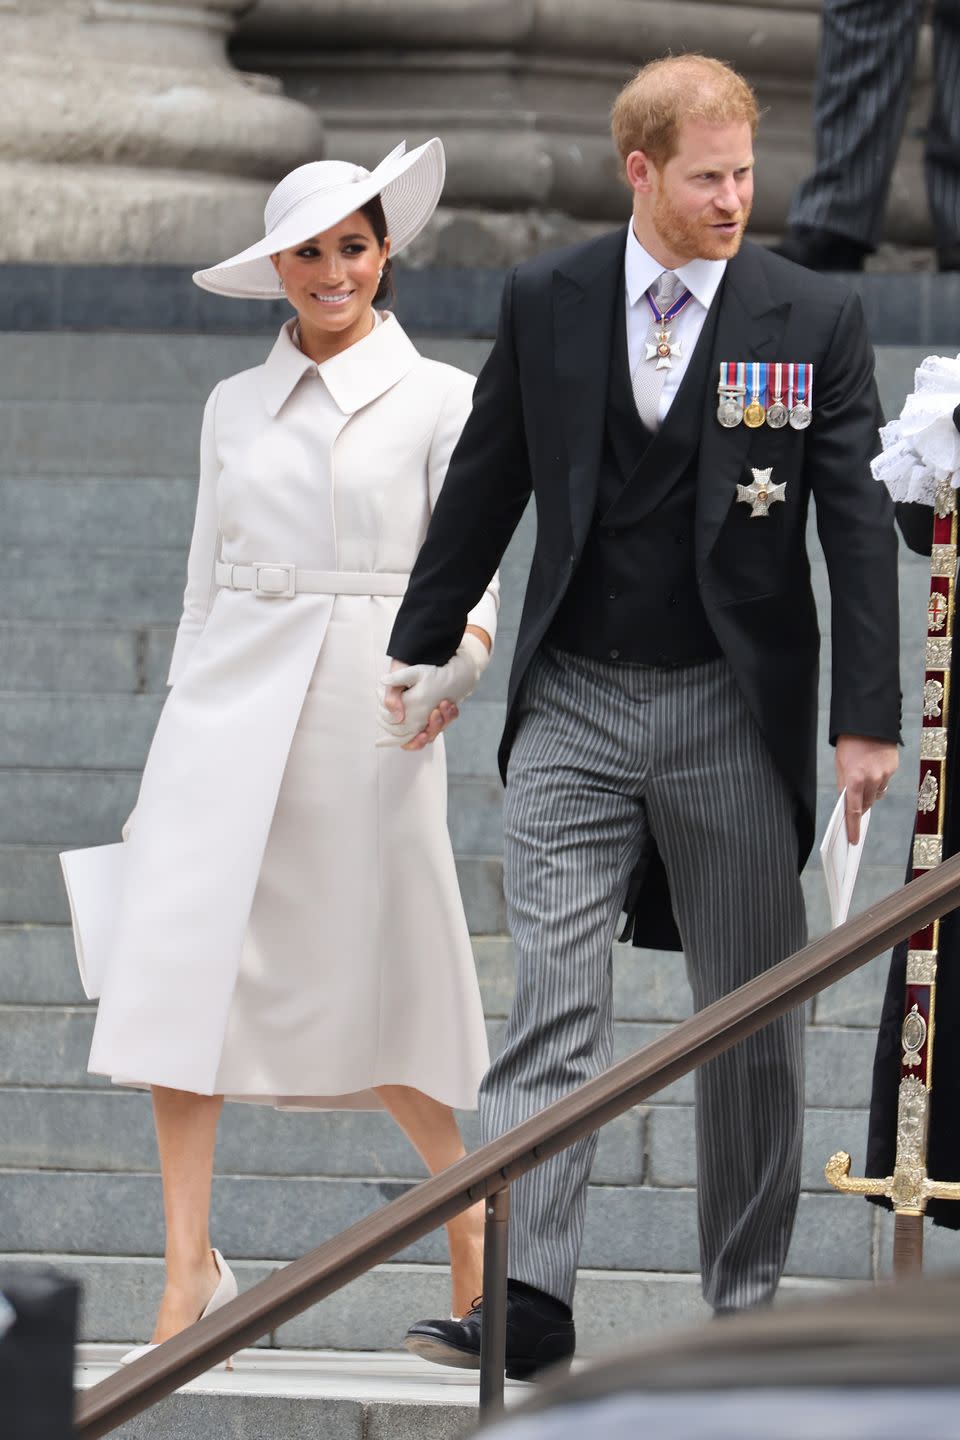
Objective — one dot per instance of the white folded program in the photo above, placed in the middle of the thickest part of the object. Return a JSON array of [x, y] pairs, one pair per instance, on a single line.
[[841, 860], [93, 878]]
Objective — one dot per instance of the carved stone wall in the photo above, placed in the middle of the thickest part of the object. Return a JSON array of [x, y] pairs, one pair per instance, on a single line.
[[520, 92], [127, 135]]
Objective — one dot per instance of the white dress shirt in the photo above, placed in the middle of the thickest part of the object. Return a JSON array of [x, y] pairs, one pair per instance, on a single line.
[[701, 277]]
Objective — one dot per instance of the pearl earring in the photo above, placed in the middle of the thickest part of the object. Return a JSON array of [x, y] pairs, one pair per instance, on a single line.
[[379, 274], [280, 283]]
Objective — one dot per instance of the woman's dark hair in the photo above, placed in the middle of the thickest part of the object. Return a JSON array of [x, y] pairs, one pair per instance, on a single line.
[[373, 211]]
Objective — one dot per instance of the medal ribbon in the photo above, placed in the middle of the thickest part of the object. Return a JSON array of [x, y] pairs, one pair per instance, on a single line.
[[802, 385], [682, 300], [758, 387], [777, 383], [733, 376]]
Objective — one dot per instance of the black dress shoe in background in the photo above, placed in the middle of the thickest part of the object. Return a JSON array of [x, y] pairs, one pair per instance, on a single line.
[[948, 257], [540, 1333], [821, 249]]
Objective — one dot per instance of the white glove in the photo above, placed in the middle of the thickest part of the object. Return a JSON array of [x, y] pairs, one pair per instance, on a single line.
[[128, 825], [424, 686]]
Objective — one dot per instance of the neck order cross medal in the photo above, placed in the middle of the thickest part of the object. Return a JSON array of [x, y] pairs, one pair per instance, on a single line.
[[660, 348]]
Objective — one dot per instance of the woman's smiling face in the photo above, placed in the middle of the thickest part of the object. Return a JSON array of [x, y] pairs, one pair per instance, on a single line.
[[331, 279]]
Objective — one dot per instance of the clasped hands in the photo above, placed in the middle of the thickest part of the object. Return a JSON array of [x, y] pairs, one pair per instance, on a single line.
[[419, 700]]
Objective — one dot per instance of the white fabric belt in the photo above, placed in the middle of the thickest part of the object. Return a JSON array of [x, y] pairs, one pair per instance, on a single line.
[[273, 582]]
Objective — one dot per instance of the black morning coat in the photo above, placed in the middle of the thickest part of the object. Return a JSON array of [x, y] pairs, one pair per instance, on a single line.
[[537, 425], [943, 1138]]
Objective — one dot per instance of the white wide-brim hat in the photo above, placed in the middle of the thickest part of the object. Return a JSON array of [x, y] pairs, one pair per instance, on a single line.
[[316, 196]]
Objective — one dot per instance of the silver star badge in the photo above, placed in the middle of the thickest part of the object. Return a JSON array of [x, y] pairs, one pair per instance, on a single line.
[[661, 350], [760, 494]]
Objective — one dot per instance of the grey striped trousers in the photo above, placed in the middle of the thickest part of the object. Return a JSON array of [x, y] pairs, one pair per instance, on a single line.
[[606, 757], [864, 74]]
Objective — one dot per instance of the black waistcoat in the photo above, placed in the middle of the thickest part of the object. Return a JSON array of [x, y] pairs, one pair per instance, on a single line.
[[634, 595]]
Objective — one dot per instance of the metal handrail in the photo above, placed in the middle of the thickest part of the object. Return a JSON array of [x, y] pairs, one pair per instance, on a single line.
[[487, 1171]]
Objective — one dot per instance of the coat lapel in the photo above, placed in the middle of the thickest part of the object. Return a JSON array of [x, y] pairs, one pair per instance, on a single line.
[[750, 326], [585, 291]]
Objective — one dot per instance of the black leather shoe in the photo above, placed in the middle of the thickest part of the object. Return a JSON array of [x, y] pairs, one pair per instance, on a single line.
[[948, 257], [540, 1333], [821, 249]]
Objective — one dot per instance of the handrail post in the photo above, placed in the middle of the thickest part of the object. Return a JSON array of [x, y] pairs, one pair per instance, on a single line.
[[493, 1330]]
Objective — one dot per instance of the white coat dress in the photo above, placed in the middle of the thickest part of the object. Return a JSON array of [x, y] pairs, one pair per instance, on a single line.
[[290, 928]]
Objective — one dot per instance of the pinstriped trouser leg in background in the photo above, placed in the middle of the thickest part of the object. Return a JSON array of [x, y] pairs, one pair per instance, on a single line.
[[864, 75], [605, 759]]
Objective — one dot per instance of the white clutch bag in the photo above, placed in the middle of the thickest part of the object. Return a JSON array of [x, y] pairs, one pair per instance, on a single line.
[[93, 878]]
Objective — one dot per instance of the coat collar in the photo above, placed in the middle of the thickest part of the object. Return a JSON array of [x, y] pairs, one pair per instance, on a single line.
[[354, 378]]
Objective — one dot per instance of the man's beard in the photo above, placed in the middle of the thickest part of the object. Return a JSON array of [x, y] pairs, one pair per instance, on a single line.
[[693, 236]]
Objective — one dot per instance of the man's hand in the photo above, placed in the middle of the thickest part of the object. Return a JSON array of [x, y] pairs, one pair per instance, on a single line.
[[864, 768]]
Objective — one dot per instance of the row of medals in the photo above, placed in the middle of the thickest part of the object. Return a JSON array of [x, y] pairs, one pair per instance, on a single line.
[[731, 412]]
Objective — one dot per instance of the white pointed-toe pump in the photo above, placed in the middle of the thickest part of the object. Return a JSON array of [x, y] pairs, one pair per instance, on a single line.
[[225, 1292]]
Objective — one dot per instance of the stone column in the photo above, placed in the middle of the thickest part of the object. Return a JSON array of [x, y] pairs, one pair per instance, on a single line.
[[520, 92], [126, 134]]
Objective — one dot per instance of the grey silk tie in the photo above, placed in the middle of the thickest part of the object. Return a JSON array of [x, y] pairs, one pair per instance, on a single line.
[[647, 379]]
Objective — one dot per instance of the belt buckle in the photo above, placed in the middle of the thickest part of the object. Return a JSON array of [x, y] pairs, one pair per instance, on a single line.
[[274, 582]]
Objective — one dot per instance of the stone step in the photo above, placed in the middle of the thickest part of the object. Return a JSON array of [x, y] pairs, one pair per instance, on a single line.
[[354, 1396], [113, 1131], [177, 367], [31, 888], [70, 807], [50, 584], [74, 807], [121, 1293], [102, 541], [101, 657], [76, 732], [76, 514], [37, 967], [66, 729], [96, 658], [142, 583], [65, 807], [99, 437], [671, 1144], [106, 732], [48, 1046], [267, 1217], [475, 818], [120, 1296], [172, 369]]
